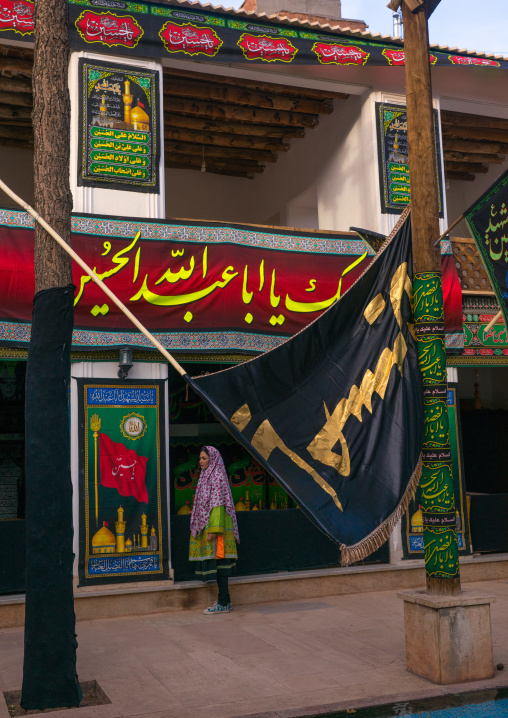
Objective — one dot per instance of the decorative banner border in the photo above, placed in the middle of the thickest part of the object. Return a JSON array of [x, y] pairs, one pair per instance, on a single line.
[[123, 523]]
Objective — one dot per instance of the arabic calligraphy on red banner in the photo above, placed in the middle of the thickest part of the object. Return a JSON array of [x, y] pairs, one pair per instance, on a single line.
[[268, 49], [333, 54], [109, 29], [17, 15], [481, 61], [190, 39], [398, 57], [185, 285]]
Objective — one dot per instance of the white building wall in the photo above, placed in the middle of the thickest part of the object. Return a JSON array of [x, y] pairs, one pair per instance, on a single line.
[[334, 165]]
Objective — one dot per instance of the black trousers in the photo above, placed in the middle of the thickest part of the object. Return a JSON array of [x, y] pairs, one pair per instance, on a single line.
[[222, 583]]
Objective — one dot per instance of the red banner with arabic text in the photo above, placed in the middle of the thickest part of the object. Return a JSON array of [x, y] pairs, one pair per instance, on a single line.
[[196, 293]]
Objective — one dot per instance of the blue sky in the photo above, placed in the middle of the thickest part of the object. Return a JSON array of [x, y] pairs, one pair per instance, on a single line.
[[472, 24], [481, 26]]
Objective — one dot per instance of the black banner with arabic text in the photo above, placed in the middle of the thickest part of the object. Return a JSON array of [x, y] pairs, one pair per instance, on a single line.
[[393, 158], [155, 30], [146, 29], [487, 219], [335, 413]]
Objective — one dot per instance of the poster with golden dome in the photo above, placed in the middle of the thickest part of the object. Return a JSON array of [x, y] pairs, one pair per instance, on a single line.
[[119, 138], [122, 473]]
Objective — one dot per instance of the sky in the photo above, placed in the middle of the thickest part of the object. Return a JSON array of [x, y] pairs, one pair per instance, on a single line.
[[472, 24], [480, 25]]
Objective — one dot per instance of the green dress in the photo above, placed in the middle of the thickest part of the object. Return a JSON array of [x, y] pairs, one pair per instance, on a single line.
[[204, 553]]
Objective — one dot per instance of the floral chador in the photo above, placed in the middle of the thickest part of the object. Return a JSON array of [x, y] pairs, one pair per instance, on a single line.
[[213, 513]]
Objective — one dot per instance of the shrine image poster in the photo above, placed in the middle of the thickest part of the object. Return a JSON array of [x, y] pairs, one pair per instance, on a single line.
[[122, 482], [119, 136]]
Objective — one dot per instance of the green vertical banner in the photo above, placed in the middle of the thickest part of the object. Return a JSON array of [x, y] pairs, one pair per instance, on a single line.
[[412, 523], [123, 505], [436, 483]]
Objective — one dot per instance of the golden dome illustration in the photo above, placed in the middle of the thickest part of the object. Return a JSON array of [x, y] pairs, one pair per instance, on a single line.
[[417, 522], [128, 544], [104, 541], [139, 119], [185, 509], [240, 506]]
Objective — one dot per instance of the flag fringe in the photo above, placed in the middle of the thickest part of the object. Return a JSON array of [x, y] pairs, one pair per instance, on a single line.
[[359, 551]]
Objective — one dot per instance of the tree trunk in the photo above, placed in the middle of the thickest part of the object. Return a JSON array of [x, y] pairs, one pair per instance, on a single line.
[[49, 671]]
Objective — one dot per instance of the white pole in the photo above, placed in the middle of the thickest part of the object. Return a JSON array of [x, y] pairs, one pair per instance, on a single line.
[[95, 278]]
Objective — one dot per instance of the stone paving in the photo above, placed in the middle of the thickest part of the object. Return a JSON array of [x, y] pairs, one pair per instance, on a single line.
[[286, 659]]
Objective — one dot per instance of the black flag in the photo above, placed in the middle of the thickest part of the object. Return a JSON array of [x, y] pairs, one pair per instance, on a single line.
[[487, 219], [335, 413]]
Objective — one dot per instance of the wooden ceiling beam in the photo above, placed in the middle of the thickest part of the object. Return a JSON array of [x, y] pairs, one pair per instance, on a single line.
[[209, 92], [16, 122], [486, 134], [19, 99], [233, 128], [475, 167], [198, 150], [15, 132], [257, 86], [454, 156], [463, 176], [223, 140], [13, 66], [15, 84], [18, 144], [17, 52], [464, 120], [450, 143], [239, 165], [219, 111], [210, 170], [8, 112]]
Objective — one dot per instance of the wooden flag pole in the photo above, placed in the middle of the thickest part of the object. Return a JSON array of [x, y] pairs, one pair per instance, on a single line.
[[437, 493], [95, 278], [489, 326], [459, 219]]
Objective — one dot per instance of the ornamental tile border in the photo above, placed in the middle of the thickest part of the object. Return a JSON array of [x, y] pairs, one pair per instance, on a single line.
[[454, 341], [166, 231], [183, 341]]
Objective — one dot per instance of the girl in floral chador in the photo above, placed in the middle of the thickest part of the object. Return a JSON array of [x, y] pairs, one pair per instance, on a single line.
[[214, 530]]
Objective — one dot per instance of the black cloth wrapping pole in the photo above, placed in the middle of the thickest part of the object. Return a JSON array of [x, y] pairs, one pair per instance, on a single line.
[[49, 670]]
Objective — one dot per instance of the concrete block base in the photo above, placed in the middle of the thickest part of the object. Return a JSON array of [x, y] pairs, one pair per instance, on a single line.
[[448, 638]]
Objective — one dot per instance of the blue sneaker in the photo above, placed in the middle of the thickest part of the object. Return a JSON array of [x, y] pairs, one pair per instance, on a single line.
[[217, 608]]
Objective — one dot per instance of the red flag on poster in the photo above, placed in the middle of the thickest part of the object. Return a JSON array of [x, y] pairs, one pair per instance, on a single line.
[[122, 469]]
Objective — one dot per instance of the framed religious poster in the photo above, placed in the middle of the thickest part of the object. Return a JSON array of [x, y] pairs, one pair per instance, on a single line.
[[393, 158], [122, 482], [412, 522], [119, 135]]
